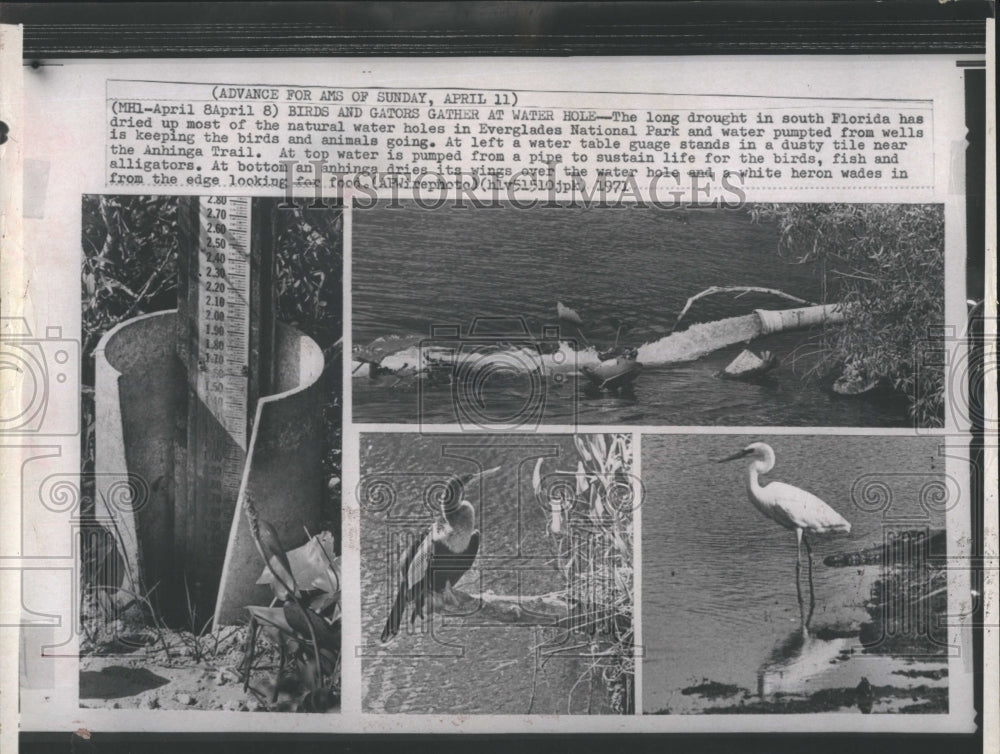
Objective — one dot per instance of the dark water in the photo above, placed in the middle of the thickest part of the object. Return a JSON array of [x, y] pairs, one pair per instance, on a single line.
[[719, 578], [415, 269], [464, 666]]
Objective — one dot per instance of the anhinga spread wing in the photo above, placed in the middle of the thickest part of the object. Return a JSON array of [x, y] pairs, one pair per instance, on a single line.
[[403, 592], [449, 567], [441, 557], [429, 564]]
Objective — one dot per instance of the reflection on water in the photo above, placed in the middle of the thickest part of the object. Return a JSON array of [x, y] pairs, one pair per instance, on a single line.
[[415, 269], [719, 600], [794, 661]]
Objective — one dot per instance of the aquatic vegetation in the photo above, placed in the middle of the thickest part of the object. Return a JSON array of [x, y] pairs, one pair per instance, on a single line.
[[885, 264], [592, 533], [304, 615]]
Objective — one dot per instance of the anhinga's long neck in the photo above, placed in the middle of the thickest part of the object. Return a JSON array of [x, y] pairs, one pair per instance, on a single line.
[[460, 517], [461, 523]]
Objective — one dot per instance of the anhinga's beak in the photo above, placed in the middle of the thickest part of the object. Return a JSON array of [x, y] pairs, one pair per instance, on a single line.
[[735, 456], [466, 479], [489, 472], [456, 486]]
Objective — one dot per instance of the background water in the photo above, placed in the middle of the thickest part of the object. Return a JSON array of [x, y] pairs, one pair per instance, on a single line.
[[413, 269], [462, 667], [718, 584]]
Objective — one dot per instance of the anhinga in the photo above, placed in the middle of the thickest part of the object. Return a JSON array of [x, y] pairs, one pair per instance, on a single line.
[[437, 561]]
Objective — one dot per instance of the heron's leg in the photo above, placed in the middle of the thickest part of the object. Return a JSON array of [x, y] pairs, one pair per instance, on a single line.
[[798, 586], [812, 593]]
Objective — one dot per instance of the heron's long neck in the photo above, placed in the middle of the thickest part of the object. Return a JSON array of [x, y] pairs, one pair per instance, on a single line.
[[754, 487], [753, 481]]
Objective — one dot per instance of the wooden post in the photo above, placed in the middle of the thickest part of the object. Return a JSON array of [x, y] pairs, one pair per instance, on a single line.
[[225, 342]]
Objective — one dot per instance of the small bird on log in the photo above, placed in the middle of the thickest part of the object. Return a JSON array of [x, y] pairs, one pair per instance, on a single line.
[[437, 561], [791, 507]]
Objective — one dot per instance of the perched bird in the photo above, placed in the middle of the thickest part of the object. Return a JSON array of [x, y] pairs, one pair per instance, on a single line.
[[437, 561], [792, 508]]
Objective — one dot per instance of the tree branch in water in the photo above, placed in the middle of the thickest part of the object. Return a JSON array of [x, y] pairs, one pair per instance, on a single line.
[[741, 289], [525, 610]]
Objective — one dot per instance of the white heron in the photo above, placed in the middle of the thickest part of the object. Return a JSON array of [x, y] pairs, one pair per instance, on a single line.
[[791, 507]]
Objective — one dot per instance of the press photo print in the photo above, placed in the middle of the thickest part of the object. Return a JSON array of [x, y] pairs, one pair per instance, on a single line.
[[497, 574], [211, 458]]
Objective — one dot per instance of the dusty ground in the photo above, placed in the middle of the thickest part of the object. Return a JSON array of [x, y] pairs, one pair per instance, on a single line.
[[144, 668]]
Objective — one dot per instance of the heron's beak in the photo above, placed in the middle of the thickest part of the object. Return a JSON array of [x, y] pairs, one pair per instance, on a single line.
[[735, 456]]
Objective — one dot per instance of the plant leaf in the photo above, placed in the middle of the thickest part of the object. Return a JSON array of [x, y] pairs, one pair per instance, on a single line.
[[271, 616], [300, 620], [536, 477], [582, 482], [323, 601], [274, 554], [313, 565]]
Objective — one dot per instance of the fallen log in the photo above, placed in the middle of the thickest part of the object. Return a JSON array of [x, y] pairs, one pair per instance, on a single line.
[[525, 610], [693, 343], [550, 610], [705, 337]]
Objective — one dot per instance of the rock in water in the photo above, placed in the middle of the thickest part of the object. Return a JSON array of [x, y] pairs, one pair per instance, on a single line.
[[852, 383], [748, 364]]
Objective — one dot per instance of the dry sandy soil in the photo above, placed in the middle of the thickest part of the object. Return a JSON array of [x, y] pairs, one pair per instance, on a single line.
[[144, 668]]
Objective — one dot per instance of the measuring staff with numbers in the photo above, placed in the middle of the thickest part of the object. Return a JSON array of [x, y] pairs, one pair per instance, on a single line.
[[224, 343]]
